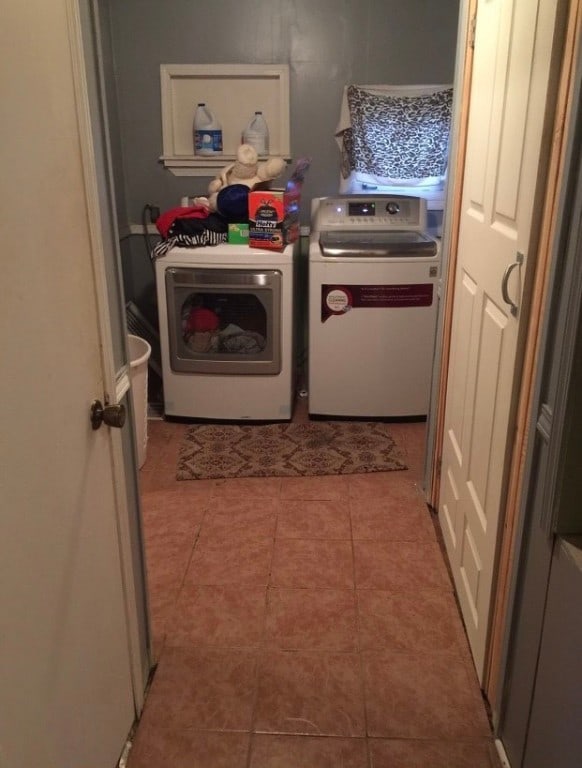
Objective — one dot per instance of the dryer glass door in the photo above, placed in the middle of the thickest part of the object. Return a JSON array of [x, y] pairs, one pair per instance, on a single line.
[[224, 320]]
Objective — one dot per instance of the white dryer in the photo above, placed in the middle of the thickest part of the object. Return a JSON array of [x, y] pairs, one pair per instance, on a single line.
[[374, 275], [226, 332]]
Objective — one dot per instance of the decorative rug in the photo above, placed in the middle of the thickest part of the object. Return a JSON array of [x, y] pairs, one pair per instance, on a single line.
[[287, 450]]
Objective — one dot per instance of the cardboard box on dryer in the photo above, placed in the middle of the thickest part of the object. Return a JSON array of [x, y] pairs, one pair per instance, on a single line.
[[274, 213], [266, 219]]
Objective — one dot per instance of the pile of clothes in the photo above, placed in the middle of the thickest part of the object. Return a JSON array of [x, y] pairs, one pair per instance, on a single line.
[[189, 227], [202, 334]]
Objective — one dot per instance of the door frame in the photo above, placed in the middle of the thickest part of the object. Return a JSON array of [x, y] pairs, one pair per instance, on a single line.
[[116, 384], [450, 240], [545, 484], [494, 663]]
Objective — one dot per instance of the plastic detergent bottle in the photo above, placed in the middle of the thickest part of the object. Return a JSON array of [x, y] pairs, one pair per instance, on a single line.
[[207, 132], [257, 134]]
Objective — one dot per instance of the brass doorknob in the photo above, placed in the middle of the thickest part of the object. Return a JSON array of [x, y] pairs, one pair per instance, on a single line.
[[112, 415]]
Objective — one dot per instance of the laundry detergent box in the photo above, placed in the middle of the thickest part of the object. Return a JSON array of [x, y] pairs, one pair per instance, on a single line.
[[266, 216], [274, 213]]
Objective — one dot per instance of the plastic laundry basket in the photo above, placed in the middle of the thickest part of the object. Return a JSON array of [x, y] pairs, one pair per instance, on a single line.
[[139, 354]]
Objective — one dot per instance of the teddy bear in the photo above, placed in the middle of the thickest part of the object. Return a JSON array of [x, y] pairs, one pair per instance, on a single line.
[[245, 172]]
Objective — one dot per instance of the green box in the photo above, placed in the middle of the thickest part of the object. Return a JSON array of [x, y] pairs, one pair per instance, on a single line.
[[238, 234]]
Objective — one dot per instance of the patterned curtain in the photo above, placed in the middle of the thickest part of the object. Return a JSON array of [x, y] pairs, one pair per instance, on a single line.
[[397, 138]]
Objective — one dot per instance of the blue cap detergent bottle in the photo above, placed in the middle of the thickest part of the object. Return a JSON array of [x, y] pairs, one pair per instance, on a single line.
[[207, 132]]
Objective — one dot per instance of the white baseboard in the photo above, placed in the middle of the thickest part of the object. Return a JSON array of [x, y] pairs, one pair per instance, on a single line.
[[502, 754], [130, 230]]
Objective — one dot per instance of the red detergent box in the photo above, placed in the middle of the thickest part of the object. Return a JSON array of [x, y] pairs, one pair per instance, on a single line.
[[274, 213]]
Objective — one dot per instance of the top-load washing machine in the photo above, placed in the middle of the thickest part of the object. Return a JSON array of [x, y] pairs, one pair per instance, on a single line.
[[374, 276]]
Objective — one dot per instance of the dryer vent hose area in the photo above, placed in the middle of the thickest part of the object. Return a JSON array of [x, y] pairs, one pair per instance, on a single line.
[[149, 215]]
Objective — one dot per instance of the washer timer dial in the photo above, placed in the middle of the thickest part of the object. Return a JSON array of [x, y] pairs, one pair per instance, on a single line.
[[392, 207]]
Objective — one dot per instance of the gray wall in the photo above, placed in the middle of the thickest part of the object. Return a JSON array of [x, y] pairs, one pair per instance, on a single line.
[[326, 43]]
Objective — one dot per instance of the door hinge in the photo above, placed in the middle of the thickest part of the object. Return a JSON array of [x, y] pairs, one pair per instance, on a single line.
[[472, 28]]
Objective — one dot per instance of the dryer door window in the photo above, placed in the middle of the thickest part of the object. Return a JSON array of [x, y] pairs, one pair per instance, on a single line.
[[224, 321]]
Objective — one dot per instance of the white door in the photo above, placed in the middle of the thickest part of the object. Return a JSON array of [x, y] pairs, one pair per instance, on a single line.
[[66, 684], [513, 59]]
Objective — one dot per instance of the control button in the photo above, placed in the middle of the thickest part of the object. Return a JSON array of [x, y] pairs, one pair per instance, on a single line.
[[392, 207]]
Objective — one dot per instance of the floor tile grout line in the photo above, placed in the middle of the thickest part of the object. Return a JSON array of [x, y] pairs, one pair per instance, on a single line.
[[182, 582], [358, 638], [262, 650]]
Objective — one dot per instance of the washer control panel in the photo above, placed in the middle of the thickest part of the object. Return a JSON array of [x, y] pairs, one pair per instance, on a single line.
[[369, 212]]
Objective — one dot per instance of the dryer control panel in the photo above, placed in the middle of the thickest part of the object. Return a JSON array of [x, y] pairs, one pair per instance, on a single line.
[[369, 212]]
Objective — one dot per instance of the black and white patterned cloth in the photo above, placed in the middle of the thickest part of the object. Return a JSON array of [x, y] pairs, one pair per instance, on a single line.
[[397, 138], [207, 237]]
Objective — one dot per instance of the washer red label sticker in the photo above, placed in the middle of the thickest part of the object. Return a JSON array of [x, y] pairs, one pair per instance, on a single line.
[[339, 299]]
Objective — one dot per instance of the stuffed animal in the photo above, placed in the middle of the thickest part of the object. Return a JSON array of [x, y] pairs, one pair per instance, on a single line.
[[245, 172]]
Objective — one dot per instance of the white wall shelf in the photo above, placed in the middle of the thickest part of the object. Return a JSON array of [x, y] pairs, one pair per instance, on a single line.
[[232, 92]]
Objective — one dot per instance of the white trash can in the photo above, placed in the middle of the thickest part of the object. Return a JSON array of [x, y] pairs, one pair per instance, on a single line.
[[139, 354]]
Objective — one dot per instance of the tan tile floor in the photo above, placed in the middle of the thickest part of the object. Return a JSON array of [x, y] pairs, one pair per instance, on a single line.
[[302, 623]]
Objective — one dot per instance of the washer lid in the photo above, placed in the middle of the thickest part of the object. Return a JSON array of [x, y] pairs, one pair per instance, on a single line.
[[377, 245]]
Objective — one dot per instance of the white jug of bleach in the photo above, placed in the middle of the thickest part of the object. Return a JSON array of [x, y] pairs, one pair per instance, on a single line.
[[257, 134], [207, 132]]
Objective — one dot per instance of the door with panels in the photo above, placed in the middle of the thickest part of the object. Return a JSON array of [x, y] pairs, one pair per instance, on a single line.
[[69, 680], [510, 97]]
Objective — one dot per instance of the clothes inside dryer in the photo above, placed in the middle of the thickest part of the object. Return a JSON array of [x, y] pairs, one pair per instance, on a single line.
[[223, 321]]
